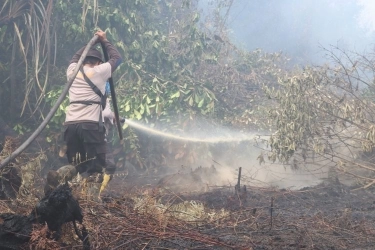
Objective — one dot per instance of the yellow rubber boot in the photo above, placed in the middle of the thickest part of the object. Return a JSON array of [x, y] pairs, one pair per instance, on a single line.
[[106, 179]]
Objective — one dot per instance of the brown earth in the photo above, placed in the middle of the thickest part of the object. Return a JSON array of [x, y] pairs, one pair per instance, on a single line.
[[327, 216], [154, 212]]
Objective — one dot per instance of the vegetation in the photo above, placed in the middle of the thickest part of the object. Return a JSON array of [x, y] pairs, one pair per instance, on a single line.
[[325, 115], [179, 68], [175, 67]]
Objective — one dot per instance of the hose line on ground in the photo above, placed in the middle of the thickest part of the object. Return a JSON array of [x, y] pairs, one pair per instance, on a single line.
[[53, 110]]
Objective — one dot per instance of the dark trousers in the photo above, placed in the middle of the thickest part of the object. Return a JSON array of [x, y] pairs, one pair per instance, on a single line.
[[86, 147]]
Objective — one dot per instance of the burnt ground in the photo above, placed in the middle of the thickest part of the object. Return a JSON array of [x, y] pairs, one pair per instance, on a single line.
[[327, 216]]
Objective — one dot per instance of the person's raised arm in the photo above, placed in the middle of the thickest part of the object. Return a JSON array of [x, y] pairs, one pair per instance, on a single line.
[[114, 56]]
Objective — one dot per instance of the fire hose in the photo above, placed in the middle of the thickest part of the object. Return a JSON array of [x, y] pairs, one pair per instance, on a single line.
[[114, 100], [61, 98]]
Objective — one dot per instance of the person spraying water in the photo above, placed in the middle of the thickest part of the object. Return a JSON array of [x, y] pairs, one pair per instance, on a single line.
[[84, 130]]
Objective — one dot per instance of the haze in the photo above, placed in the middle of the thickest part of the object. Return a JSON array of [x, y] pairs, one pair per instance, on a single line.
[[301, 28]]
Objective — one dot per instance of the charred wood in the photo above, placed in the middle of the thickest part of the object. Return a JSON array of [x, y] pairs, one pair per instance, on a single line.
[[55, 209]]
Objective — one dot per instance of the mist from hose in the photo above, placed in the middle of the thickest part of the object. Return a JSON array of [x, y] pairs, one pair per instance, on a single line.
[[227, 152]]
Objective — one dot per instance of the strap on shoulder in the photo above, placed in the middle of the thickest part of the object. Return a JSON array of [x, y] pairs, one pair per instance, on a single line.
[[99, 93], [92, 85]]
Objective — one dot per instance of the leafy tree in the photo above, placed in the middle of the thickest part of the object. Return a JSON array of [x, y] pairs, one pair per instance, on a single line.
[[325, 116]]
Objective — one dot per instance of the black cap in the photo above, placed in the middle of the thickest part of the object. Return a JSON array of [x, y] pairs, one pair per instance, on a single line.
[[95, 53]]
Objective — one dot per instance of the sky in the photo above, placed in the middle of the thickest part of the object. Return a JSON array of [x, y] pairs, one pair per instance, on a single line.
[[302, 28]]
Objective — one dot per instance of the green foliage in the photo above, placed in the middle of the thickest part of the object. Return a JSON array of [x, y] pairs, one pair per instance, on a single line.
[[59, 117], [174, 70], [295, 116], [324, 112], [20, 129]]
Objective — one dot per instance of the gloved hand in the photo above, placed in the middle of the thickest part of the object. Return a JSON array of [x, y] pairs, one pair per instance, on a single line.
[[106, 178]]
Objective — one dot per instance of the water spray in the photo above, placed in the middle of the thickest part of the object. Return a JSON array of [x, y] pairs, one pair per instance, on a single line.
[[239, 138]]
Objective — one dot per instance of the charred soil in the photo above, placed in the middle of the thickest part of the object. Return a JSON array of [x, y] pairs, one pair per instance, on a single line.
[[143, 212], [151, 216]]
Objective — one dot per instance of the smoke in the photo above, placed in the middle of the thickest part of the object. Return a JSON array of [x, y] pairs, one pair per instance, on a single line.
[[366, 16], [262, 174], [209, 154], [301, 29]]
